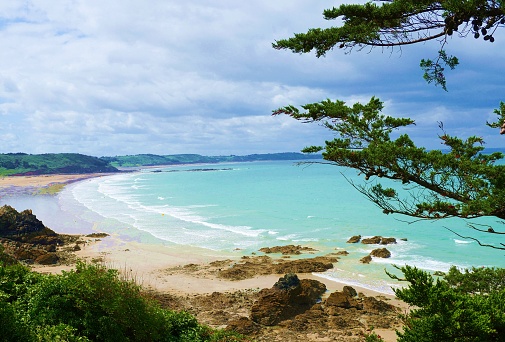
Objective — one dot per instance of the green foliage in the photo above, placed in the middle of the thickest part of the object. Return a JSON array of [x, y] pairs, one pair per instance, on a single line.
[[90, 303], [13, 328], [463, 182], [450, 309], [31, 164], [176, 159], [388, 24], [434, 71]]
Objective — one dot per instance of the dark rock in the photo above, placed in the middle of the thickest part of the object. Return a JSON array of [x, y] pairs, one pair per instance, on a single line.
[[342, 300], [47, 259], [318, 264], [366, 260], [286, 299], [372, 241], [354, 239], [371, 304], [289, 281], [388, 241], [244, 326], [287, 250], [349, 291], [381, 253]]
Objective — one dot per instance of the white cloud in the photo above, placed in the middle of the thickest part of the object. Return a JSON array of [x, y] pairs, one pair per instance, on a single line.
[[122, 77]]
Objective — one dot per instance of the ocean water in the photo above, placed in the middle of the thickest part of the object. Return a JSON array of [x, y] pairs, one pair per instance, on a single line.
[[241, 207]]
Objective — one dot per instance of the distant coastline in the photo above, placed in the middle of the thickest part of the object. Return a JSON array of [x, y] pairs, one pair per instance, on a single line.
[[23, 164]]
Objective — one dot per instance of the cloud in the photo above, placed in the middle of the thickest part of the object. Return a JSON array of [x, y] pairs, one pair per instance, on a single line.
[[122, 77]]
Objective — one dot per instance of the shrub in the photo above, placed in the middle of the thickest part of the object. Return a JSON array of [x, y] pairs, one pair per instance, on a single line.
[[454, 308]]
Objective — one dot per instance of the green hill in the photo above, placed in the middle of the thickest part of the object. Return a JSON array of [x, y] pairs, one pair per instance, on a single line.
[[20, 164], [176, 159]]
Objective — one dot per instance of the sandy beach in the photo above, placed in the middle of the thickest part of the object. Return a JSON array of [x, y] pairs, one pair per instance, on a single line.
[[44, 180], [176, 270]]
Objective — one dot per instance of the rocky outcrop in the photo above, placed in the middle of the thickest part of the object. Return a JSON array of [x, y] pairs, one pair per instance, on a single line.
[[286, 299], [354, 239], [263, 265], [372, 241], [366, 259], [379, 240], [287, 250], [26, 238], [381, 253]]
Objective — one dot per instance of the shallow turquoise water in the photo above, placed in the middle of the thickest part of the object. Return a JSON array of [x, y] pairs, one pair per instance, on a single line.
[[242, 207]]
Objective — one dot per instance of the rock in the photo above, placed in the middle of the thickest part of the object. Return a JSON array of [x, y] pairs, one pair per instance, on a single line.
[[287, 250], [25, 238], [381, 253], [349, 291], [366, 260], [318, 264], [372, 241], [286, 299], [341, 300], [47, 259], [371, 304], [243, 325], [388, 241], [25, 227], [354, 239], [341, 253], [289, 281]]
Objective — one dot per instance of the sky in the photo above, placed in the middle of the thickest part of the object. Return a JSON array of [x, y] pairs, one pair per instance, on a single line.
[[122, 77]]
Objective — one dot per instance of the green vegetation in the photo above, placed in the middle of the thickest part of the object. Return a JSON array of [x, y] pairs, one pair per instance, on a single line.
[[176, 159], [462, 306], [39, 164], [90, 303], [396, 23], [403, 178]]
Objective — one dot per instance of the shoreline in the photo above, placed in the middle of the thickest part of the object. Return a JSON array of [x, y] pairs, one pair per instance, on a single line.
[[164, 268]]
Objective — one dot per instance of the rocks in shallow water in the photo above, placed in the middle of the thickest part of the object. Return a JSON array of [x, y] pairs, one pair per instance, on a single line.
[[388, 241], [379, 240], [354, 239], [381, 253], [366, 260], [372, 241]]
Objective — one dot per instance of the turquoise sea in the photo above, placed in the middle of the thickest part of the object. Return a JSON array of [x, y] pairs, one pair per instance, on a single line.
[[241, 207]]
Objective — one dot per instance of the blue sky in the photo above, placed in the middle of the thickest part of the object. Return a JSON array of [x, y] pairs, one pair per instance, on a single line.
[[169, 76]]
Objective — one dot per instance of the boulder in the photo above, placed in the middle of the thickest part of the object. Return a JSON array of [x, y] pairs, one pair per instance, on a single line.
[[373, 305], [372, 241], [366, 260], [341, 300], [287, 250], [317, 264], [243, 325], [381, 253], [349, 290], [388, 241], [286, 299], [354, 239]]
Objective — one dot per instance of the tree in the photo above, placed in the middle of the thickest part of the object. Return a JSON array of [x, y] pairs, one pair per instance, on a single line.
[[430, 184], [395, 23]]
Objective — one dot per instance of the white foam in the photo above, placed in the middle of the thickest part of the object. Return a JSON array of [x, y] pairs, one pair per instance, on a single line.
[[463, 242]]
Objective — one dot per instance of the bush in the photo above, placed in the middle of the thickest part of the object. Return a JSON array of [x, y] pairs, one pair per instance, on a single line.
[[465, 307], [96, 302]]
